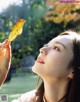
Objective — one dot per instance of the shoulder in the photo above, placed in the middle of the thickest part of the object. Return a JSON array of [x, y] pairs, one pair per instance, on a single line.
[[26, 97]]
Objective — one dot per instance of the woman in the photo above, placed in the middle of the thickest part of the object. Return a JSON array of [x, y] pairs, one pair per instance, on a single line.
[[59, 68]]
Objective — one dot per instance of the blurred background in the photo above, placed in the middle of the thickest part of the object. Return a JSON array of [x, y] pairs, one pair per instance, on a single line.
[[45, 19]]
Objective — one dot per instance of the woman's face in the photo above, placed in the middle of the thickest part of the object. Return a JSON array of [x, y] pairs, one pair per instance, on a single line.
[[54, 58]]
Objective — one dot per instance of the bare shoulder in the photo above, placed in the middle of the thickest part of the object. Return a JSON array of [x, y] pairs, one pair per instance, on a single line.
[[26, 97]]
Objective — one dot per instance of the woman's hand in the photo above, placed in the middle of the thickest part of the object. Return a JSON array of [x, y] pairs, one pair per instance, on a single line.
[[5, 60]]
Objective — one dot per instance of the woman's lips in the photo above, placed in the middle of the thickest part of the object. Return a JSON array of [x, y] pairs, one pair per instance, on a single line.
[[40, 60]]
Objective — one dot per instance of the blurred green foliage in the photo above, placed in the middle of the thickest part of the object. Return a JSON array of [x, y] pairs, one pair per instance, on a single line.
[[37, 31]]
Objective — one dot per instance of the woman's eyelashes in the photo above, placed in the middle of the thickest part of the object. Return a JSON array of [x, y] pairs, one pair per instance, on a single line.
[[56, 48], [53, 47]]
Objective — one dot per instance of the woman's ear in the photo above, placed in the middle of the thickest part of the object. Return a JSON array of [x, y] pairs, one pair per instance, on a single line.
[[71, 74]]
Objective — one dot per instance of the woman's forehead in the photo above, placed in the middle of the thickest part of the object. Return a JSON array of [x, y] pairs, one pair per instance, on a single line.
[[64, 39]]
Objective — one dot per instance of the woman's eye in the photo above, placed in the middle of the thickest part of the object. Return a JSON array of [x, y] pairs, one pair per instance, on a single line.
[[56, 48]]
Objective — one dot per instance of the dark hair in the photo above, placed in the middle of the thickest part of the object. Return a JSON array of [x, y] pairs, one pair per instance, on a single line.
[[73, 88]]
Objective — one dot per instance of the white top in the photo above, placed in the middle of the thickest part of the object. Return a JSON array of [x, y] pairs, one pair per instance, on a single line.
[[27, 97]]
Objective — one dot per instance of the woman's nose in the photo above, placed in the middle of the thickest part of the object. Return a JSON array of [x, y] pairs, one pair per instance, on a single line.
[[43, 51]]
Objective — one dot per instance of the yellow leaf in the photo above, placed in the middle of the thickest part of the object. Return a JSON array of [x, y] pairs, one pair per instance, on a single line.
[[17, 29]]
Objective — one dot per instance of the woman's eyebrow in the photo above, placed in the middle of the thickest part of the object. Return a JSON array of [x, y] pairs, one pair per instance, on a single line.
[[56, 43], [60, 44]]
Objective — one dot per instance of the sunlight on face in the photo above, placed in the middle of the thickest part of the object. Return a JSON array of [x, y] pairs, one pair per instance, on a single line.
[[4, 4]]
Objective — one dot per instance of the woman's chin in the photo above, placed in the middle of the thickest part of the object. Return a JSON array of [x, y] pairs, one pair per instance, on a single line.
[[35, 68]]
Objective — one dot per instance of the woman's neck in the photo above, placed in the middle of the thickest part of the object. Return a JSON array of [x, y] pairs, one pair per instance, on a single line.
[[54, 92]]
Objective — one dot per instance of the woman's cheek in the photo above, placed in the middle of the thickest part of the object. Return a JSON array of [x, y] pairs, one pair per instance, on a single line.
[[55, 64], [53, 59]]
